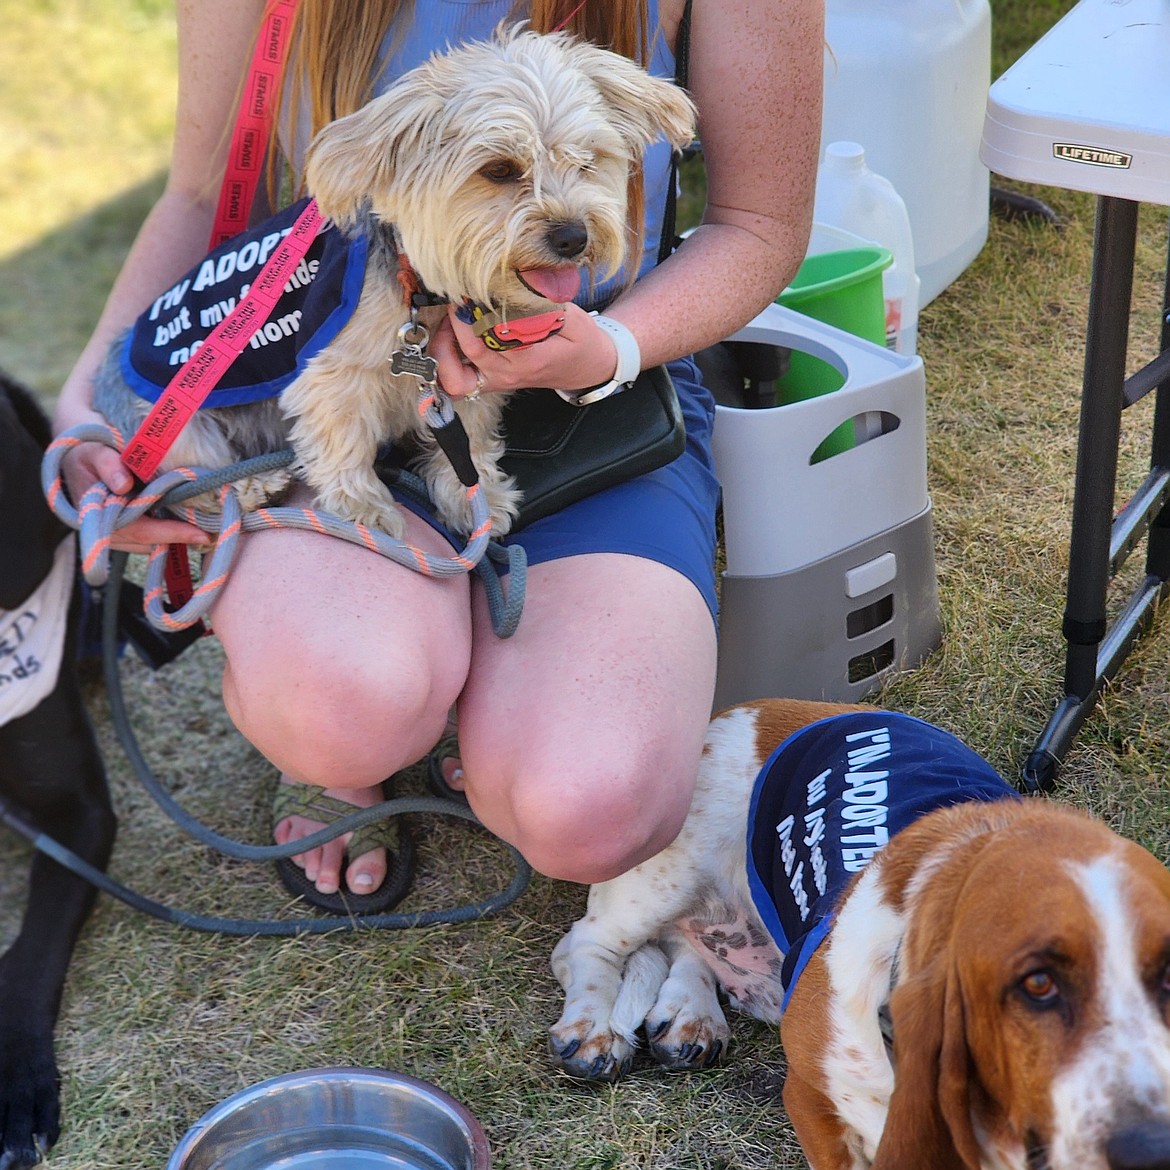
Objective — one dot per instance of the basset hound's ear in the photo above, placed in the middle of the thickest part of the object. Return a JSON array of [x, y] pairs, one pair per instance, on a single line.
[[929, 1122]]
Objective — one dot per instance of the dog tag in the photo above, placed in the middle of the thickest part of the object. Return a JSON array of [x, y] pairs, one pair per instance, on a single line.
[[411, 357], [411, 360]]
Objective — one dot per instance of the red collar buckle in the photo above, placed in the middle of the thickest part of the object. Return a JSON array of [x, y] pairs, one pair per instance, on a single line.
[[518, 331]]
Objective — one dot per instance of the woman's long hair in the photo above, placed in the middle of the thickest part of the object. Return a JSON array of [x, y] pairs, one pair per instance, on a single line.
[[335, 52]]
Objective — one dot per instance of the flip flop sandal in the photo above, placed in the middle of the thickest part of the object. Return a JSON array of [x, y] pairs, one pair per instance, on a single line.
[[447, 748], [307, 800]]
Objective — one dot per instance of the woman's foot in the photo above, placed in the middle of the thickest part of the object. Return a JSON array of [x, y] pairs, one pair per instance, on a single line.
[[445, 769], [451, 768], [323, 865]]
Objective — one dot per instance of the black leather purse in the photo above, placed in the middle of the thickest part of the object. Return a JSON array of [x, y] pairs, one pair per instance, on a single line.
[[559, 452]]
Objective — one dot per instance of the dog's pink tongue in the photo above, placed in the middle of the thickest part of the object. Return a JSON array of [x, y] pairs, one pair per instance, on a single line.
[[558, 284]]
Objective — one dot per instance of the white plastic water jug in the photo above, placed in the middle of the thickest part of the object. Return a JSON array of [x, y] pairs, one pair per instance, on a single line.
[[854, 199], [908, 80]]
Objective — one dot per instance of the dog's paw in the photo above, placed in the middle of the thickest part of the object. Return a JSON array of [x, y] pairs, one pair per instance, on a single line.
[[29, 1101], [260, 491], [607, 996], [374, 508], [683, 1035], [590, 1054], [685, 1028], [687, 1046]]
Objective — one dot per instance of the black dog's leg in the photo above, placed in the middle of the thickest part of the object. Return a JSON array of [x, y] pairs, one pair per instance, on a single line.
[[52, 775], [50, 770]]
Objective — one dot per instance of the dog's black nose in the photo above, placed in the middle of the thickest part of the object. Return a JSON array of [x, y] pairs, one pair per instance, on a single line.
[[1145, 1146], [568, 239]]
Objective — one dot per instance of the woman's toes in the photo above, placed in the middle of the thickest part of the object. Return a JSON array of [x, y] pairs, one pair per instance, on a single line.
[[325, 874], [367, 873], [323, 865], [452, 769], [292, 829]]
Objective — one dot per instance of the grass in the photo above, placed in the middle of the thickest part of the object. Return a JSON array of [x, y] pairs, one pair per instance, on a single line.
[[159, 1024], [87, 92]]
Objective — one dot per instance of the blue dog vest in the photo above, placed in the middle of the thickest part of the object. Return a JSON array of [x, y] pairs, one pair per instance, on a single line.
[[829, 797], [317, 301]]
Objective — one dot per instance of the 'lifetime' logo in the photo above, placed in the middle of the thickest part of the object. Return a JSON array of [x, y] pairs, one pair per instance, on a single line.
[[1094, 156]]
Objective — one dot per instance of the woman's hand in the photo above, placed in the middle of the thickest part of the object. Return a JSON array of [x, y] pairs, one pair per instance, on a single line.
[[579, 355], [90, 463]]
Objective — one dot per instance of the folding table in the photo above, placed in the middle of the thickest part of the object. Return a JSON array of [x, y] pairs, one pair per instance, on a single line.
[[1087, 108]]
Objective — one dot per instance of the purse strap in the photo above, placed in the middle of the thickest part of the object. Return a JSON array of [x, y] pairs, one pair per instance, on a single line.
[[682, 52]]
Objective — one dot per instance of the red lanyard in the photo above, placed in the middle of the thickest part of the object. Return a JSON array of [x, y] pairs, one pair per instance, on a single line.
[[253, 123], [195, 380], [200, 374], [565, 22]]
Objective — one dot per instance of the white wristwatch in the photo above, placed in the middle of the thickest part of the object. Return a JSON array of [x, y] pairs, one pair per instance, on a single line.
[[629, 365]]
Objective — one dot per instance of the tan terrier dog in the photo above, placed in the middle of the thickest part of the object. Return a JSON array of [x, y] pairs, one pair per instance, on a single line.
[[497, 172]]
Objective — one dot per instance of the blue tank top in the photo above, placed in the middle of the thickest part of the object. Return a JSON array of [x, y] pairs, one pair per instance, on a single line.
[[452, 22]]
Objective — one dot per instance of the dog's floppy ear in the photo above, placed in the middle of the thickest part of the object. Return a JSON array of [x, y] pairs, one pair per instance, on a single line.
[[353, 160], [642, 106], [929, 1121]]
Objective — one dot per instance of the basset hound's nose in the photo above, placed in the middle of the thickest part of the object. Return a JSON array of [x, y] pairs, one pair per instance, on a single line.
[[1145, 1146]]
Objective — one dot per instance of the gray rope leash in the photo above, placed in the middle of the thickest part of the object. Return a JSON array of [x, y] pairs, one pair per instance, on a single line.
[[194, 828], [101, 513]]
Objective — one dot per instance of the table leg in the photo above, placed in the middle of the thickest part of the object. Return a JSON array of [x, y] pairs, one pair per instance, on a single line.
[[1158, 550], [1085, 622]]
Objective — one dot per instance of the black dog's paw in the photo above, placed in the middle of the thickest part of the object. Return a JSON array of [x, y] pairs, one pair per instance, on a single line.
[[29, 1095]]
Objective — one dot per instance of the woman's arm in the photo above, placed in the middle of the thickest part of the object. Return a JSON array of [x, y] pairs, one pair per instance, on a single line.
[[215, 42], [756, 74], [756, 77]]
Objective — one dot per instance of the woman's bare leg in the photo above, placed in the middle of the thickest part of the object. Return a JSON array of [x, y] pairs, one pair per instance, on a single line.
[[581, 735], [341, 669]]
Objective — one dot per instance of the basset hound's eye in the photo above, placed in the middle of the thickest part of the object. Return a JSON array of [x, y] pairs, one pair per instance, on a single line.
[[1164, 983], [1040, 988], [501, 170]]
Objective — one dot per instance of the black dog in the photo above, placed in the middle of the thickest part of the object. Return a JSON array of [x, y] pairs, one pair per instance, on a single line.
[[50, 775]]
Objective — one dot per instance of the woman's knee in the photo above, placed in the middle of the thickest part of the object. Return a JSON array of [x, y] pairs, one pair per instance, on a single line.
[[592, 827], [340, 723]]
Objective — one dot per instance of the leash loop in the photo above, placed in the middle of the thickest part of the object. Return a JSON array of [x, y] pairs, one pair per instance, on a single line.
[[215, 572], [102, 512]]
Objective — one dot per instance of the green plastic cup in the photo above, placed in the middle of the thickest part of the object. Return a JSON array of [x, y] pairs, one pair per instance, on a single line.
[[844, 289]]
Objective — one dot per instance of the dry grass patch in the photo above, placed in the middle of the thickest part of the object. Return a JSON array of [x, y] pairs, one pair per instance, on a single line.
[[158, 1024]]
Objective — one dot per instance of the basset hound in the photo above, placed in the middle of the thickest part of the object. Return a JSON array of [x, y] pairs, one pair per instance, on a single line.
[[990, 990]]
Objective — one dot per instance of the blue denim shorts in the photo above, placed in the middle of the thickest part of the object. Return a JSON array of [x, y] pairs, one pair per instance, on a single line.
[[666, 516]]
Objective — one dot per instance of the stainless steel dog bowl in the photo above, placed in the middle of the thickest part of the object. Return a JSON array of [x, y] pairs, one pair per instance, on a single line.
[[336, 1119]]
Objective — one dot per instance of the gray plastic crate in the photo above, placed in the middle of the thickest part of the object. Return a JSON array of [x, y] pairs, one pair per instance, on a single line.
[[830, 583], [835, 629]]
